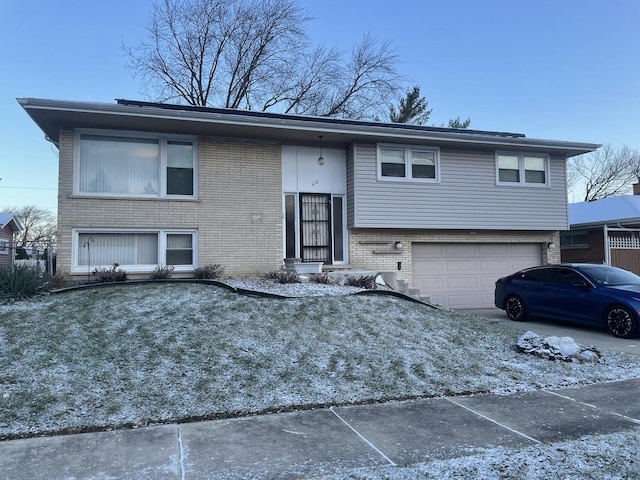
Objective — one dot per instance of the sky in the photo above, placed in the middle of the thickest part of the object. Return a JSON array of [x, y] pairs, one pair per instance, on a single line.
[[550, 69]]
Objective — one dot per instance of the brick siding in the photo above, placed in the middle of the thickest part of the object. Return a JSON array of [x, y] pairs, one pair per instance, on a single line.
[[238, 212]]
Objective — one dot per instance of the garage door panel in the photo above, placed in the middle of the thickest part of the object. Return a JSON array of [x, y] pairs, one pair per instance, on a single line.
[[487, 299], [464, 283], [464, 275], [495, 264], [437, 251], [432, 265], [493, 250], [521, 249], [462, 249], [488, 282], [519, 265], [457, 266], [433, 284], [438, 299], [462, 301]]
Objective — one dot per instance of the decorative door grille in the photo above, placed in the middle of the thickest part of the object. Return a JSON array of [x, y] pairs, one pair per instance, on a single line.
[[315, 227]]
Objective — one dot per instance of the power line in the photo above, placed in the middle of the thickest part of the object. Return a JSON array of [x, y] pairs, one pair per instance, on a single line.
[[29, 188]]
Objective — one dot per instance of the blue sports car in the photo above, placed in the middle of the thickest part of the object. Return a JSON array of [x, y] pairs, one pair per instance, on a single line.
[[590, 294]]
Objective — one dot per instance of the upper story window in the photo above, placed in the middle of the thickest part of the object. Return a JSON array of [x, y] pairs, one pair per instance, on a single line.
[[408, 163], [522, 169], [135, 166]]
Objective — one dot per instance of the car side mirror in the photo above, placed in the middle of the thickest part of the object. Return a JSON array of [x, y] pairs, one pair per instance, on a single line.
[[580, 284]]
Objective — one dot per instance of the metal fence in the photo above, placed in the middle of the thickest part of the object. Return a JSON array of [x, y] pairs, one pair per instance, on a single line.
[[43, 255]]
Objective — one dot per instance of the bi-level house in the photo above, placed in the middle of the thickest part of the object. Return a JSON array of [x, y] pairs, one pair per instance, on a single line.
[[146, 184]]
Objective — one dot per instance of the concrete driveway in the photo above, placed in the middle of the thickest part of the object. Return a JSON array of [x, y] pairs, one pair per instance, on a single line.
[[581, 334]]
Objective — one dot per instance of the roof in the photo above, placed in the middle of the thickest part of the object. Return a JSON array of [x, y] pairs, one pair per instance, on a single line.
[[11, 221], [53, 115], [622, 209]]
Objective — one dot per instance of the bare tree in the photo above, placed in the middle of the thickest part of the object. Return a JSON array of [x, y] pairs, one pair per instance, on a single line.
[[605, 173], [38, 226], [256, 55]]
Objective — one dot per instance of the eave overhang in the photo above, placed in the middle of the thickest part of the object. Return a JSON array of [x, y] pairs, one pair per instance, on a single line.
[[13, 224], [632, 223], [55, 115]]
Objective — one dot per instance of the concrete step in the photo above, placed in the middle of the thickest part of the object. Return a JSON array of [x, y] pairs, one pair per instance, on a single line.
[[402, 286]]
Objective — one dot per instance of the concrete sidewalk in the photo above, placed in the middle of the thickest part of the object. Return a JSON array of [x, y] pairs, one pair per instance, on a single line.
[[332, 440]]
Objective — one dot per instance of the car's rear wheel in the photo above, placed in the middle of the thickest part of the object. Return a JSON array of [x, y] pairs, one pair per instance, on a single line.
[[514, 306], [621, 322]]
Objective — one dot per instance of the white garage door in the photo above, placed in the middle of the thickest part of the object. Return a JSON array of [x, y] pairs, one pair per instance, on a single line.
[[460, 275]]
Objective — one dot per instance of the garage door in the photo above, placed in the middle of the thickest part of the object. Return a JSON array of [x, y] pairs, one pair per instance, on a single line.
[[463, 275]]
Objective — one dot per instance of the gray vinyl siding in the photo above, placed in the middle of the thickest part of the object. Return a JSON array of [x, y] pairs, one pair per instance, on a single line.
[[467, 196], [350, 184]]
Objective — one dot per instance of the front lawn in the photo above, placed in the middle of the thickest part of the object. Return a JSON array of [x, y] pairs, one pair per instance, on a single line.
[[137, 354]]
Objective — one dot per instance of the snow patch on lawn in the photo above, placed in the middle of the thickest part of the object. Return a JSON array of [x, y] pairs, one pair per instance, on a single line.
[[612, 456]]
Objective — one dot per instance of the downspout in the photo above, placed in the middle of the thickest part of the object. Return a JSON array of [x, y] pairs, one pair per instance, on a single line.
[[607, 251]]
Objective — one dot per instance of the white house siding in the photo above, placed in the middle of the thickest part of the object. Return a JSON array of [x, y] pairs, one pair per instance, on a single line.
[[238, 213], [302, 173], [467, 196]]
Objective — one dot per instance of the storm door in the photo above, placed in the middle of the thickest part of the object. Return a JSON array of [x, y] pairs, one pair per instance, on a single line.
[[315, 227]]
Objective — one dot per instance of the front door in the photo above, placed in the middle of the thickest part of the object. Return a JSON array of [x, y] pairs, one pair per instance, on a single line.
[[315, 227]]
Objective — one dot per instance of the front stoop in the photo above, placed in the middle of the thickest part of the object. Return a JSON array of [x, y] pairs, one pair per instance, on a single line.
[[390, 279], [402, 286]]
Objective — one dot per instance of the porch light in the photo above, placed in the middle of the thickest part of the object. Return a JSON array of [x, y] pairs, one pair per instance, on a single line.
[[551, 245], [398, 245], [320, 158]]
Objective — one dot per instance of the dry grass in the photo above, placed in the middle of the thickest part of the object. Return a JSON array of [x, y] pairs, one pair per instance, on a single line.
[[138, 354]]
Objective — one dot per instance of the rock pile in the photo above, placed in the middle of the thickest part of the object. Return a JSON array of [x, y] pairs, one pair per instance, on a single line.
[[557, 348]]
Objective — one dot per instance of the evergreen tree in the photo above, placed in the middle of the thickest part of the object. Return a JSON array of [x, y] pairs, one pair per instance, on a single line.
[[457, 123], [411, 109]]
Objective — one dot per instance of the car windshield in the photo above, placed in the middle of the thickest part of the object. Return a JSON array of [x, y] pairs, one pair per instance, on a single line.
[[605, 275]]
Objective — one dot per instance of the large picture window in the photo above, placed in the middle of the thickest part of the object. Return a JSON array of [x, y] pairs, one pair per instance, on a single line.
[[522, 169], [134, 251], [132, 166], [408, 163]]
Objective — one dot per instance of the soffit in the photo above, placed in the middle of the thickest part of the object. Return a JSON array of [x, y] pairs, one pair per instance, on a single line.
[[53, 115]]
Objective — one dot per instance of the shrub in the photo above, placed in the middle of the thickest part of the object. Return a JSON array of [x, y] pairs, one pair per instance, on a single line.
[[361, 281], [109, 275], [324, 278], [59, 280], [162, 272], [22, 281], [283, 276], [209, 272]]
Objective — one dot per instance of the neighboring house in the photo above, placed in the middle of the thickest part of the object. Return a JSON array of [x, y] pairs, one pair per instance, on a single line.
[[9, 225], [604, 231], [448, 210]]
